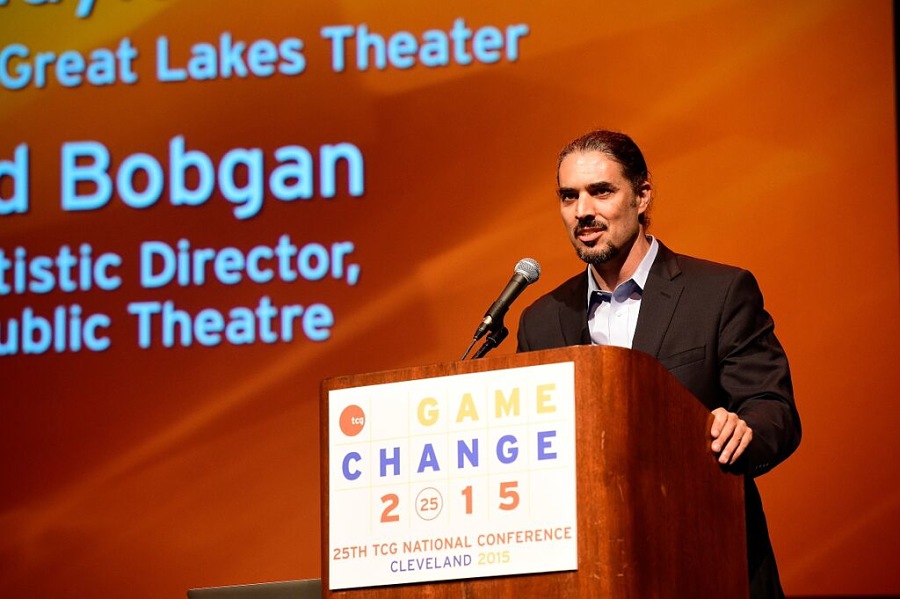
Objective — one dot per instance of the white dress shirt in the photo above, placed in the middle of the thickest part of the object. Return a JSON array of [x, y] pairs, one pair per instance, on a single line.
[[612, 316]]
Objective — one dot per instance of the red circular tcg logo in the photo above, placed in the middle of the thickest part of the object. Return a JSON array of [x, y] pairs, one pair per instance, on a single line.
[[353, 419]]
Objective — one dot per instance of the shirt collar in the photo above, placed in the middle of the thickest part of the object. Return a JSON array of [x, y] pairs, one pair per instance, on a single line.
[[638, 280]]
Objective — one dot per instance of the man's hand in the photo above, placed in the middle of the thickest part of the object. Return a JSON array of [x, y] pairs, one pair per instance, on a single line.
[[730, 435]]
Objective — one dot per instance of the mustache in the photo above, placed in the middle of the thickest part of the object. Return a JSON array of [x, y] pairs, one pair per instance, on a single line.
[[590, 222]]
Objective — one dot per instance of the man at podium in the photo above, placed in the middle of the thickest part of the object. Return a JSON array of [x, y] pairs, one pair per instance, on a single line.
[[705, 322]]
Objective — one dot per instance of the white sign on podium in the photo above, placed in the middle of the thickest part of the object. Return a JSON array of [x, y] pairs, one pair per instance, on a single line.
[[453, 477]]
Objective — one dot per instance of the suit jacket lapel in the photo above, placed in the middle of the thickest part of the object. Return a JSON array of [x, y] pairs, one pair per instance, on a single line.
[[573, 313], [658, 302]]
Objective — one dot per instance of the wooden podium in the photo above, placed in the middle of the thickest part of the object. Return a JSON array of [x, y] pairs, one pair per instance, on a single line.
[[657, 516]]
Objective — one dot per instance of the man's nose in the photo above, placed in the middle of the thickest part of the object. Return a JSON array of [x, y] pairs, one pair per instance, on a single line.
[[583, 206]]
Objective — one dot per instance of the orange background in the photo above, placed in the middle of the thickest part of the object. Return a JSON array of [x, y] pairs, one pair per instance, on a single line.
[[771, 134]]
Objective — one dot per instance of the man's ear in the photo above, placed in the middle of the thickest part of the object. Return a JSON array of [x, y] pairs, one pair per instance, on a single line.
[[645, 196], [644, 202]]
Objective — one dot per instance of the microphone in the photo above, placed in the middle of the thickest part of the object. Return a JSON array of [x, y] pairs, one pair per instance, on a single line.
[[527, 271]]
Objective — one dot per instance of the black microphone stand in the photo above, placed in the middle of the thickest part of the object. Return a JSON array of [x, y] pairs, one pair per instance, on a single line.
[[494, 339]]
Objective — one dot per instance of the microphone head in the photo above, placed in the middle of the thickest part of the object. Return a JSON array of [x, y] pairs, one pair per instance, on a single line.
[[528, 268]]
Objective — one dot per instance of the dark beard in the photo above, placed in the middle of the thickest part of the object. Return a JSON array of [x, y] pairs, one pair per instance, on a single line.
[[596, 256]]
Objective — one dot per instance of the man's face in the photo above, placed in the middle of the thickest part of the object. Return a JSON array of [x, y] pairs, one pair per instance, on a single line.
[[598, 206]]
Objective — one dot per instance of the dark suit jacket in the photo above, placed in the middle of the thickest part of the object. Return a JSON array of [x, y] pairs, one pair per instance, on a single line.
[[705, 323]]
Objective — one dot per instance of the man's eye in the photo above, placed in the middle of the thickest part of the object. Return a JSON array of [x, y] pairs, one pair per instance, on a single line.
[[567, 197]]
